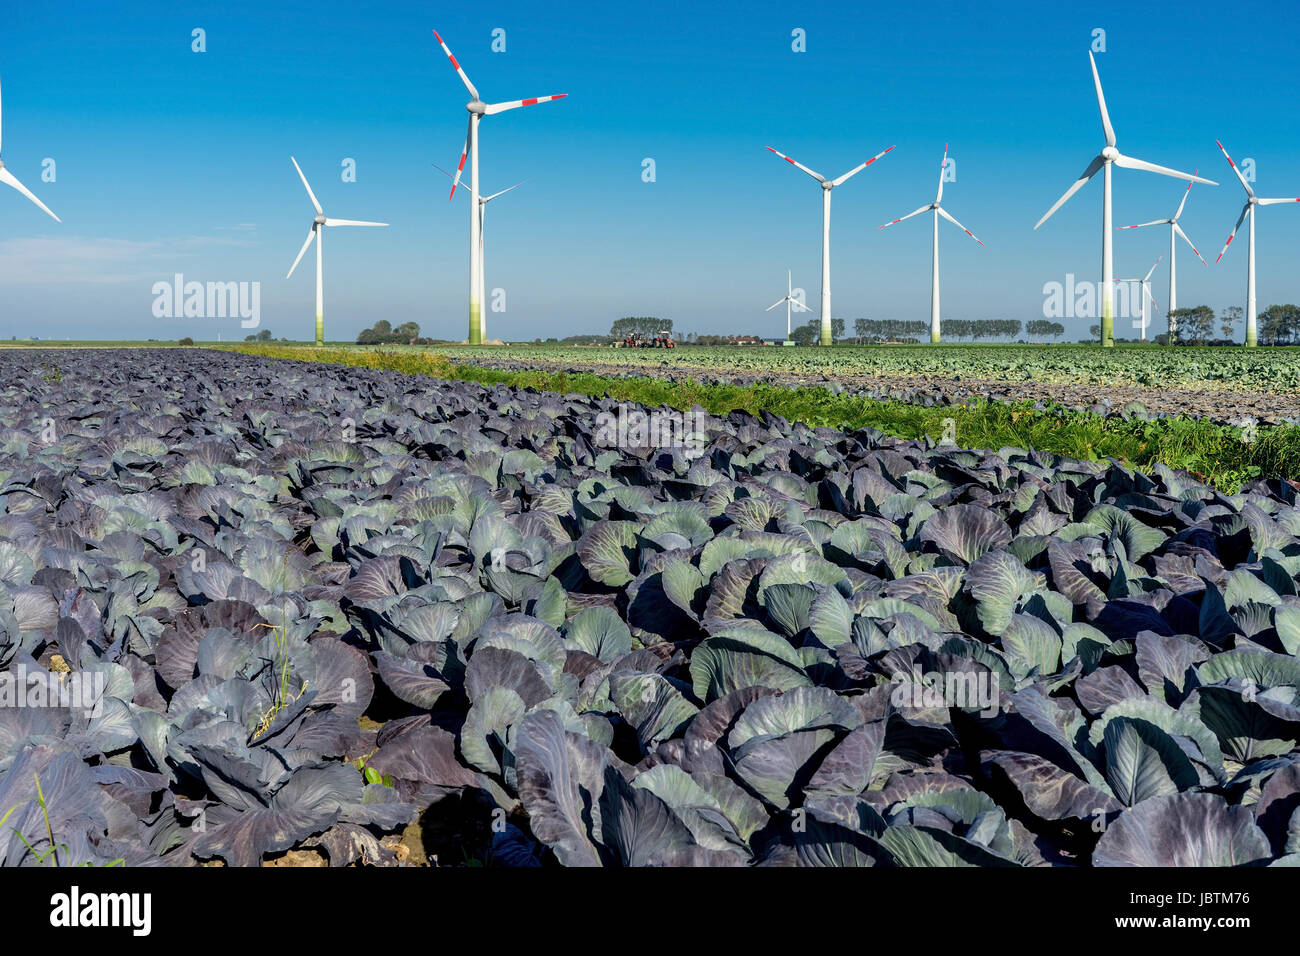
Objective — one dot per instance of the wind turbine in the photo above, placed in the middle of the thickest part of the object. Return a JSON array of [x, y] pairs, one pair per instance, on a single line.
[[827, 185], [1110, 156], [477, 110], [1145, 294], [316, 233], [1174, 230], [12, 180], [938, 211], [1252, 335], [482, 229], [789, 300]]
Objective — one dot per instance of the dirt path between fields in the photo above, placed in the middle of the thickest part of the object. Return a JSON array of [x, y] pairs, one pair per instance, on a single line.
[[1218, 405]]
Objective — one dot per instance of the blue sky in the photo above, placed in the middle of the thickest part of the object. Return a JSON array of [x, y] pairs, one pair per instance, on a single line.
[[173, 161]]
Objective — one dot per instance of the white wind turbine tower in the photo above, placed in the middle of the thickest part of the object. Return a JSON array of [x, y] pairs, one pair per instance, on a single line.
[[938, 211], [827, 185], [1252, 334], [1175, 230], [1145, 294], [10, 179], [316, 232], [477, 110], [482, 230], [1110, 156], [789, 300]]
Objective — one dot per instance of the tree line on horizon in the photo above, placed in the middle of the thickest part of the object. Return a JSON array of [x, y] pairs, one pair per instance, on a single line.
[[1197, 325]]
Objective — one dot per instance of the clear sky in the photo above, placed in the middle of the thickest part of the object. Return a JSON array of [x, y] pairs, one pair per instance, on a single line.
[[168, 160]]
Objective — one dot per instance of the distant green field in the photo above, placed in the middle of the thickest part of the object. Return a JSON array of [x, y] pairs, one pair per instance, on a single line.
[[1259, 370]]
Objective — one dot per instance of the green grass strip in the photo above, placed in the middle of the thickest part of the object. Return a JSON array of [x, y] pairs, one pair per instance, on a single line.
[[1217, 453]]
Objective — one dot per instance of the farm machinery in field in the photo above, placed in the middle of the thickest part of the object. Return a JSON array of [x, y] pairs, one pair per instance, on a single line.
[[660, 340]]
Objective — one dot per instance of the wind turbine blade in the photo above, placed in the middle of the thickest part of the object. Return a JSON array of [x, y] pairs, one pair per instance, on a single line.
[[1245, 185], [1152, 269], [515, 104], [352, 222], [456, 66], [817, 176], [1101, 102], [925, 208], [1179, 229], [504, 191], [856, 169], [1154, 303], [1274, 202], [1088, 173], [1232, 235], [460, 168], [1186, 193], [10, 179], [450, 176], [1128, 162], [319, 210], [943, 212], [942, 166], [774, 304], [311, 234], [799, 306], [1154, 222]]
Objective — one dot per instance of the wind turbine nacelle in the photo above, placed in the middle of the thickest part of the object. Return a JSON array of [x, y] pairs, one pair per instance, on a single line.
[[477, 106], [1110, 154], [319, 220]]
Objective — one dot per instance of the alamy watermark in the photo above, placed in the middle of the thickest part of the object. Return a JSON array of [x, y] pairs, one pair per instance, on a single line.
[[632, 427], [965, 689], [39, 689], [1073, 299], [211, 300]]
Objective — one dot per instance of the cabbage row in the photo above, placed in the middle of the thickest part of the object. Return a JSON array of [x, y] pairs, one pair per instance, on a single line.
[[314, 602]]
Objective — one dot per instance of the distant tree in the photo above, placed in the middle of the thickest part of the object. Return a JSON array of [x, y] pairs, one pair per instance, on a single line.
[[264, 335], [1095, 331], [807, 334], [1191, 326], [1228, 321], [837, 329], [186, 341], [383, 327], [642, 324], [1039, 327], [1279, 324]]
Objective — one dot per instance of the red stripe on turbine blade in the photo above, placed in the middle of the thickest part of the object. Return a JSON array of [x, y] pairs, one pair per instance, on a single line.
[[435, 33], [559, 96], [530, 102]]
